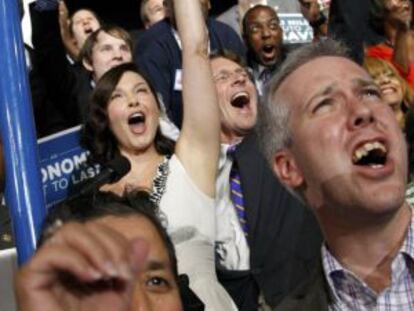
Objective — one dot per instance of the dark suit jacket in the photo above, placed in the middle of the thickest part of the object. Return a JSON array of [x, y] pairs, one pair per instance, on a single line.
[[159, 57], [284, 237], [68, 85], [349, 22], [48, 119], [311, 295]]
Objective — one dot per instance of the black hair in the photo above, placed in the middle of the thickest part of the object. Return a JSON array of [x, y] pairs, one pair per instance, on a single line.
[[101, 204]]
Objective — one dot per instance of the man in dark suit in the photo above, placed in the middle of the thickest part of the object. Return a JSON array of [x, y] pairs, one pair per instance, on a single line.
[[336, 145], [261, 253], [158, 54]]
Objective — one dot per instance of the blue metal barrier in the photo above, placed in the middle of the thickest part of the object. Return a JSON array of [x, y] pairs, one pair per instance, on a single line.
[[24, 196]]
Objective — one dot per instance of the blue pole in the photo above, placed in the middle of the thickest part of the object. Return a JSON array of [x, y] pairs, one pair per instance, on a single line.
[[24, 195]]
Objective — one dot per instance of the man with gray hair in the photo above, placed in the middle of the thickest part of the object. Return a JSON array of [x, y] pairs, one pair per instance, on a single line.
[[334, 143]]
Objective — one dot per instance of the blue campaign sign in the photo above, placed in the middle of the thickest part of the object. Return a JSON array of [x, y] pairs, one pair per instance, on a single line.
[[296, 29], [63, 164]]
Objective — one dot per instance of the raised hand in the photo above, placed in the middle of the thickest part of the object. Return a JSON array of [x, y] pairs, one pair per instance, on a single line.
[[81, 267]]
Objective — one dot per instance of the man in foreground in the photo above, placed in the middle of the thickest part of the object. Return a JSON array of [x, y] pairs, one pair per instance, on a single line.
[[110, 253], [337, 146]]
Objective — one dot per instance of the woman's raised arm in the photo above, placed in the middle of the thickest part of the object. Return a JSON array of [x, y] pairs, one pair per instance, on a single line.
[[198, 145]]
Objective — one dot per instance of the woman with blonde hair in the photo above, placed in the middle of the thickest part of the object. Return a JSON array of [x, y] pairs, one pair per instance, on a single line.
[[395, 91]]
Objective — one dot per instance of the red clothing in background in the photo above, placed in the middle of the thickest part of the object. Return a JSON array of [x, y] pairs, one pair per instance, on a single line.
[[386, 52]]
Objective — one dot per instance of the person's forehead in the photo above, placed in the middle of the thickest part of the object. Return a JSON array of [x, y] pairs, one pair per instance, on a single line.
[[170, 2], [82, 14], [221, 63], [132, 226], [383, 70], [319, 73], [260, 14], [138, 226], [131, 78], [151, 4], [104, 37], [396, 3]]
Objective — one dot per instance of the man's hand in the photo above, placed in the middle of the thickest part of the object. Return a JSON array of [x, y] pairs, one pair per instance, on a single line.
[[82, 267]]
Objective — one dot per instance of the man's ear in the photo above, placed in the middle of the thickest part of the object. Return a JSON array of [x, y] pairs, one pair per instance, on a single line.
[[286, 169], [87, 65]]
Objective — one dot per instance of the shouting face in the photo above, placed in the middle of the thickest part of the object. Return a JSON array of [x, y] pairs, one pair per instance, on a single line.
[[133, 114], [237, 98], [264, 35], [348, 154]]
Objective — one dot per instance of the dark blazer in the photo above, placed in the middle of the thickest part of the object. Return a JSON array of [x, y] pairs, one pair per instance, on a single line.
[[159, 57], [349, 22], [284, 237], [48, 118], [69, 85], [311, 295]]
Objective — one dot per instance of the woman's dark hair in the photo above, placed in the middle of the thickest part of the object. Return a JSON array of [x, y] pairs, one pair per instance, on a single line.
[[102, 204], [97, 136]]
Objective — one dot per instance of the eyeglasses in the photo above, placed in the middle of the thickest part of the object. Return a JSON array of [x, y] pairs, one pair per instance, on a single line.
[[225, 75]]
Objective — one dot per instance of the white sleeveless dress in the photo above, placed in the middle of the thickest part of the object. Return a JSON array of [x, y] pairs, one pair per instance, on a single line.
[[189, 216]]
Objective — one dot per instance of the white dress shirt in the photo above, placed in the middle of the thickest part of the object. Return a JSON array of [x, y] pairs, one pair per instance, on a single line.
[[232, 250]]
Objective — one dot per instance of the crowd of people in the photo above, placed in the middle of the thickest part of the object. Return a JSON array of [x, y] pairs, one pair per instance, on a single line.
[[262, 176]]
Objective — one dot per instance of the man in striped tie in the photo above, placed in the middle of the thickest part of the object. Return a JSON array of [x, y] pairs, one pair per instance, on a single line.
[[258, 222], [236, 193]]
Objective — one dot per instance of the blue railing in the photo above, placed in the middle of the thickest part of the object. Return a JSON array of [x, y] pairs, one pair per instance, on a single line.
[[23, 194]]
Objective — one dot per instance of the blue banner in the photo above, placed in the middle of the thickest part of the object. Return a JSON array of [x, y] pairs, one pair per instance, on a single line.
[[296, 28], [63, 165]]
